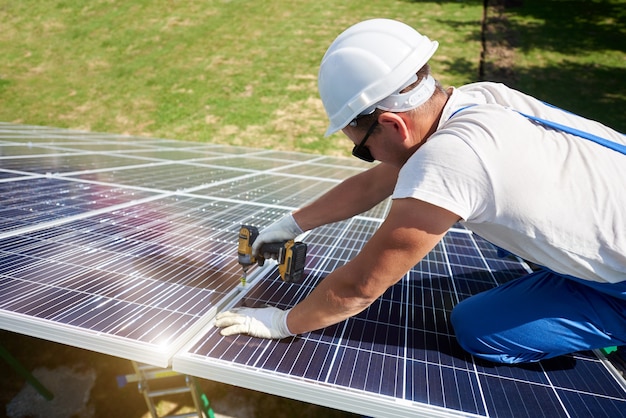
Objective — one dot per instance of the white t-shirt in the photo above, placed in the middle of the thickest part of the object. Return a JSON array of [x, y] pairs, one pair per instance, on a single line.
[[552, 198]]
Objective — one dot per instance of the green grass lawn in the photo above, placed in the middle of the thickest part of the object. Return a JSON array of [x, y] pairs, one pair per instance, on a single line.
[[244, 72], [238, 72]]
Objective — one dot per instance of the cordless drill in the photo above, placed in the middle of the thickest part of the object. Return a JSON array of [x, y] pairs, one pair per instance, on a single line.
[[290, 255]]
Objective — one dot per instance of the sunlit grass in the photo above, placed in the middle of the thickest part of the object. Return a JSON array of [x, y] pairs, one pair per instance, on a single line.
[[237, 72]]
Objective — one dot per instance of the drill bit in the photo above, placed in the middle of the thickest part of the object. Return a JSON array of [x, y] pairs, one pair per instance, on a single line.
[[244, 275]]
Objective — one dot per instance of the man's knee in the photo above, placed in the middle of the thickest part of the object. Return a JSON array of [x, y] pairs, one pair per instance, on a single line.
[[483, 334], [465, 323]]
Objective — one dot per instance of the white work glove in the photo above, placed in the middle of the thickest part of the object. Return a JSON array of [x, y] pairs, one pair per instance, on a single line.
[[284, 229], [269, 322]]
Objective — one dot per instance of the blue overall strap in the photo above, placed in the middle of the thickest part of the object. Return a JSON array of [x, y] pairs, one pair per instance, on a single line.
[[567, 129], [594, 138], [458, 110]]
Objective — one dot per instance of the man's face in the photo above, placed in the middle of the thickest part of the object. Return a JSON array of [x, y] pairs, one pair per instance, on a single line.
[[380, 142]]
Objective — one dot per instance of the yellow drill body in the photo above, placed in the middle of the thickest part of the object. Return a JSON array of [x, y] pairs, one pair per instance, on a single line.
[[290, 255]]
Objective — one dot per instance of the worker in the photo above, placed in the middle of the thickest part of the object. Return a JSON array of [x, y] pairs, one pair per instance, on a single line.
[[475, 155]]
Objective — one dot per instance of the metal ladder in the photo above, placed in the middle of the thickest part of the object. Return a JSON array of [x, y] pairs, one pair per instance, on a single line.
[[145, 373]]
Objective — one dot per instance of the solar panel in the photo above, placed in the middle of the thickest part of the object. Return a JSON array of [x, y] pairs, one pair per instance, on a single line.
[[399, 358], [126, 246]]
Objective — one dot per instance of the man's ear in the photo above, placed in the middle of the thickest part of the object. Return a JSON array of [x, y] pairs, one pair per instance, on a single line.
[[395, 125]]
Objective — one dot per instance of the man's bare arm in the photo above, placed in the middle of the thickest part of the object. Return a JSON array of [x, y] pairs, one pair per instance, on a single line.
[[411, 230], [351, 197]]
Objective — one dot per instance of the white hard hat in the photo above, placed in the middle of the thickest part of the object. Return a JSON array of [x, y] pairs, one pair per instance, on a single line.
[[368, 63]]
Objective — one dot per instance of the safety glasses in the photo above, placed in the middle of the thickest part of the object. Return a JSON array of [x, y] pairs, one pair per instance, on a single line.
[[359, 151]]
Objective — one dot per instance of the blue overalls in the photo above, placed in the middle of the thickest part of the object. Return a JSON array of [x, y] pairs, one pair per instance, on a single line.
[[544, 314]]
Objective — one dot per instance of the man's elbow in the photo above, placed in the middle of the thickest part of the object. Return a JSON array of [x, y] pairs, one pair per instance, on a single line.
[[360, 294]]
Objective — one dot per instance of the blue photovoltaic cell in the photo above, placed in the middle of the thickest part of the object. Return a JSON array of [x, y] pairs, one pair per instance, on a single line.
[[127, 246], [46, 164], [163, 177], [269, 189], [21, 150], [247, 162], [320, 171], [32, 201], [8, 175]]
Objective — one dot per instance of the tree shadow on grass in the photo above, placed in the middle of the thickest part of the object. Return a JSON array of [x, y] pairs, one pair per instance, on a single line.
[[570, 27], [573, 28]]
